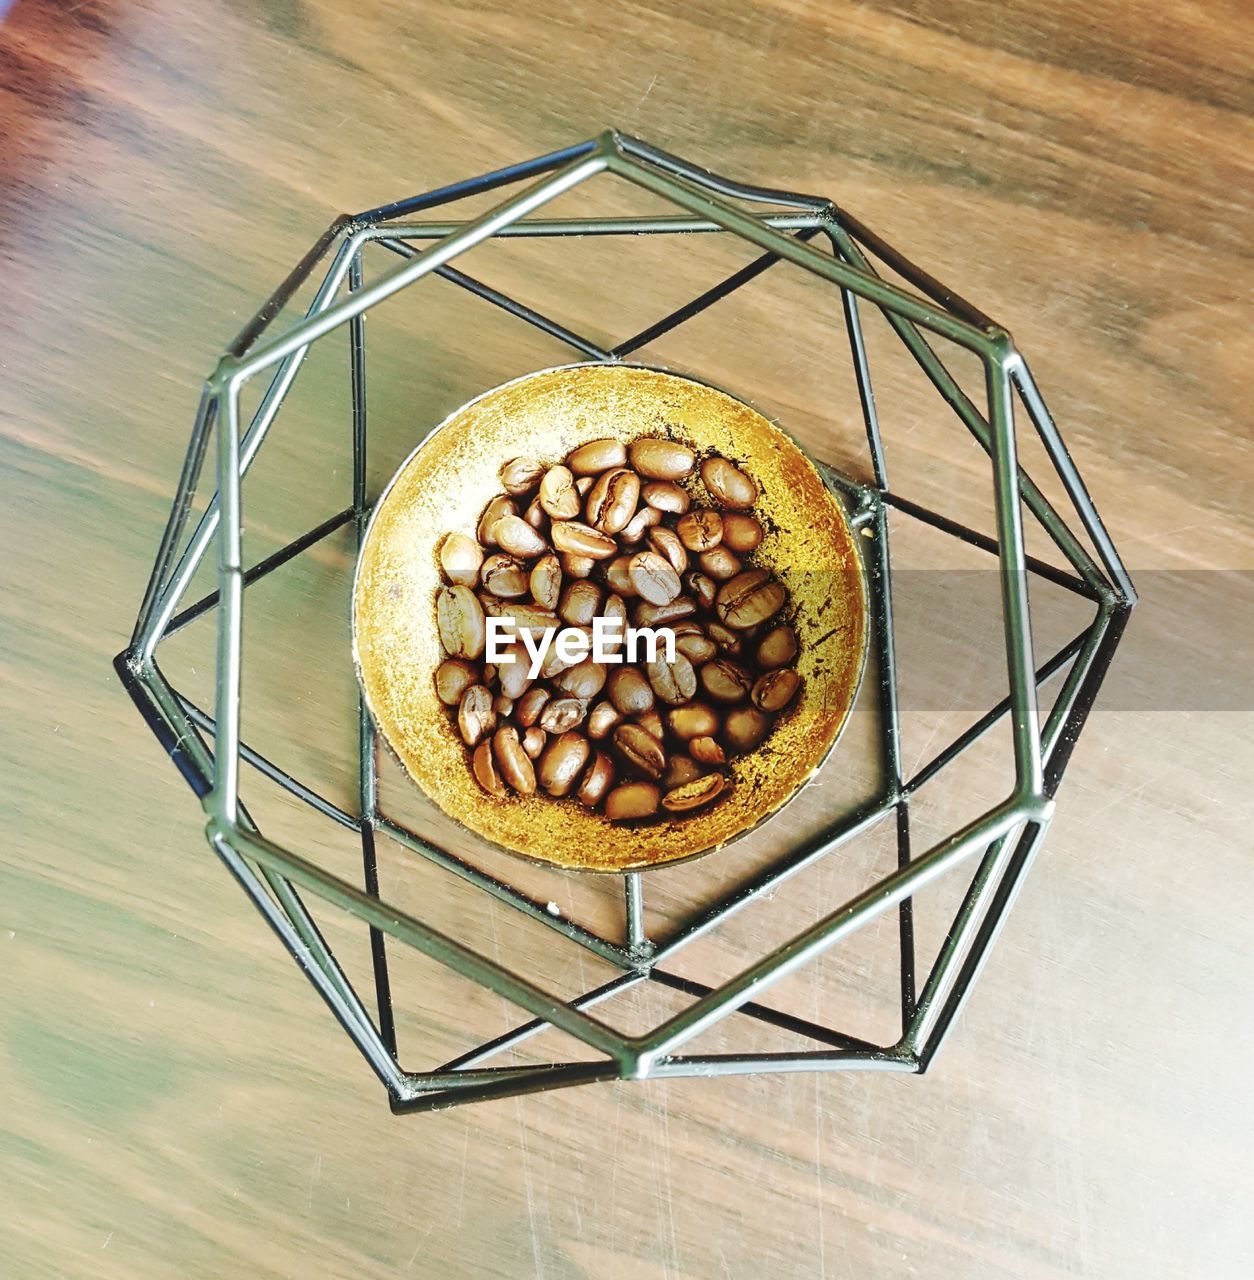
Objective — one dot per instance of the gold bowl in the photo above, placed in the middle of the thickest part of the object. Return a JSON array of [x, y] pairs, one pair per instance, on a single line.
[[444, 485]]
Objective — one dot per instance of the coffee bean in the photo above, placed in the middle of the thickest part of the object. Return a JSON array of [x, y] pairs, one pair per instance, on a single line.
[[731, 486], [645, 519], [530, 617], [666, 496], [703, 588], [545, 581], [475, 716], [695, 720], [561, 714], [654, 615], [512, 761], [661, 459], [695, 794], [513, 675], [516, 536], [582, 487], [700, 530], [583, 681], [582, 540], [667, 544], [697, 647], [719, 563], [640, 749], [521, 475], [749, 598], [745, 727], [499, 506], [530, 705], [673, 682], [741, 533], [776, 689], [558, 495], [707, 751], [680, 769], [505, 577], [561, 763], [483, 766], [778, 647], [632, 800], [726, 681], [503, 706], [579, 604], [629, 691], [459, 616], [651, 722], [597, 781], [460, 558], [727, 640], [612, 500], [452, 678], [533, 741], [603, 719], [576, 566], [653, 578], [535, 516], [596, 456], [618, 575], [614, 611]]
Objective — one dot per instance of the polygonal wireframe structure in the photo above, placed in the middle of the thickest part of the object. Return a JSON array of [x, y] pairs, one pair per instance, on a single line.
[[208, 749]]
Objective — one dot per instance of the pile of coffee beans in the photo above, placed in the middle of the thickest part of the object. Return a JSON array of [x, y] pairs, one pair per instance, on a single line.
[[616, 532]]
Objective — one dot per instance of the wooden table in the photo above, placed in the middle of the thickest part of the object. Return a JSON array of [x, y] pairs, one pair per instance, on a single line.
[[175, 1098]]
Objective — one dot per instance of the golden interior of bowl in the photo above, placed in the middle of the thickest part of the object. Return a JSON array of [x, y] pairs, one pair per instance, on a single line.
[[444, 486]]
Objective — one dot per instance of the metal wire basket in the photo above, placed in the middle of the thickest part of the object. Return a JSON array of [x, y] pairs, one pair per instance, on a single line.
[[813, 235]]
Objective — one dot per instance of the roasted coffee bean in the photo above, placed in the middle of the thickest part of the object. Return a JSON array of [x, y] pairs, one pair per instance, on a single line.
[[703, 588], [656, 615], [579, 604], [618, 575], [726, 681], [731, 486], [583, 681], [533, 741], [561, 714], [576, 566], [745, 727], [475, 716], [749, 598], [562, 762], [696, 646], [531, 704], [505, 577], [661, 459], [695, 720], [666, 496], [653, 577], [459, 616], [640, 749], [530, 617], [680, 769], [707, 751], [776, 689], [582, 487], [535, 516], [614, 611], [582, 540], [741, 533], [483, 766], [719, 563], [778, 647], [695, 794], [557, 660], [700, 530], [558, 495], [503, 706], [603, 719], [512, 762], [460, 558], [514, 535], [645, 519], [666, 543], [629, 691], [596, 456], [652, 722], [673, 682], [452, 678], [513, 675], [545, 581], [597, 781], [521, 475], [726, 639], [612, 500], [632, 800], [499, 506]]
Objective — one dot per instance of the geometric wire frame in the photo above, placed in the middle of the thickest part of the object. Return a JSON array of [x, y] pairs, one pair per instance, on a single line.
[[1004, 840]]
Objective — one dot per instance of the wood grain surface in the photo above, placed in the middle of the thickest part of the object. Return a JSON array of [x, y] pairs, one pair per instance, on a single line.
[[174, 1100]]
